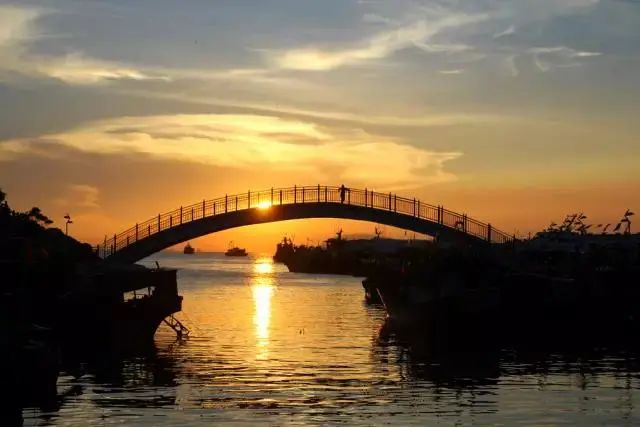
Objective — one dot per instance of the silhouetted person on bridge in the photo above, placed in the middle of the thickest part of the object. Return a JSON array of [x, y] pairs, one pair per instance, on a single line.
[[343, 192]]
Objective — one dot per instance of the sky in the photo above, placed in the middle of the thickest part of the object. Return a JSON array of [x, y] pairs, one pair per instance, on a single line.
[[515, 112]]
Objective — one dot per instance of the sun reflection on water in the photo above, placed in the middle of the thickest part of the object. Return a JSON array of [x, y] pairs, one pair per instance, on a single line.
[[262, 290]]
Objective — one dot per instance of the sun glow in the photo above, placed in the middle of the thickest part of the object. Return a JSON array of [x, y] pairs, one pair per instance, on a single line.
[[263, 266], [262, 292], [264, 205]]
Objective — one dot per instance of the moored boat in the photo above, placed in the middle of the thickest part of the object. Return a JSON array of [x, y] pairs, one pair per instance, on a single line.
[[235, 251], [189, 250]]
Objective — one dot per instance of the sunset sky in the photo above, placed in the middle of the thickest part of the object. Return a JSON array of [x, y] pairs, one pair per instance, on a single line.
[[516, 112]]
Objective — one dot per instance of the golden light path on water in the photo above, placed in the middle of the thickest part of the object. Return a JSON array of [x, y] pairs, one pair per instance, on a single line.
[[263, 286]]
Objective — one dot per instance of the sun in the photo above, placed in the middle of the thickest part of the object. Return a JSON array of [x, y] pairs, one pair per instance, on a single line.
[[264, 205]]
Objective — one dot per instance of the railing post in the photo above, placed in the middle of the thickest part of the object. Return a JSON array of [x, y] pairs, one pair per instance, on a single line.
[[203, 208], [180, 214], [136, 231], [158, 223], [248, 199], [214, 208], [192, 213], [226, 197], [295, 195], [149, 230], [414, 207], [348, 197], [236, 203], [325, 194], [127, 240], [489, 233], [115, 244], [464, 222], [271, 196], [170, 221], [318, 193], [302, 194], [389, 201], [366, 198], [280, 197], [395, 203], [418, 208]]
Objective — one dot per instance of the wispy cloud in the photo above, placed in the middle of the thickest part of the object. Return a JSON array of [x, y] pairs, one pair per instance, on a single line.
[[511, 29], [452, 72], [257, 142], [79, 197], [546, 58], [381, 45]]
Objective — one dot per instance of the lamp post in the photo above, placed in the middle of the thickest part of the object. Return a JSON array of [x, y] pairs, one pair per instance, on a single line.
[[66, 225]]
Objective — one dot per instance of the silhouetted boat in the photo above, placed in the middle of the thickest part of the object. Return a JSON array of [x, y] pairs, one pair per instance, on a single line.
[[235, 251], [189, 250]]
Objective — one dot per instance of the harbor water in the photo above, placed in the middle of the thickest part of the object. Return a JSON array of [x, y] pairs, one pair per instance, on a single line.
[[269, 347]]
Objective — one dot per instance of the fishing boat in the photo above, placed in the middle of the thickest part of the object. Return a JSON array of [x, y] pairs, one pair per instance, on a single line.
[[189, 250], [235, 251]]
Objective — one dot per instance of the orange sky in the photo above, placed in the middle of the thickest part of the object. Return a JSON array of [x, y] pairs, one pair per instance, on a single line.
[[516, 113]]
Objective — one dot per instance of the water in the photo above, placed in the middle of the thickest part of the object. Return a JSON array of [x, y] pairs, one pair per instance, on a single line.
[[271, 347]]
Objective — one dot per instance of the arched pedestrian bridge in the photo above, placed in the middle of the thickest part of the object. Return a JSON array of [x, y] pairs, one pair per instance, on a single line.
[[281, 204]]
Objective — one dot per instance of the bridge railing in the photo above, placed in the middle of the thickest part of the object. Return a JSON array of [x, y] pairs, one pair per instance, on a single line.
[[295, 195]]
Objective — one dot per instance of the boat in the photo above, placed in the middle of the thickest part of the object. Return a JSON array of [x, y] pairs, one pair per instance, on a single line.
[[189, 250], [235, 251]]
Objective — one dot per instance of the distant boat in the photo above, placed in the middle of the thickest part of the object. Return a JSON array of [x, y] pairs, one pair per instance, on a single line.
[[189, 250], [235, 251]]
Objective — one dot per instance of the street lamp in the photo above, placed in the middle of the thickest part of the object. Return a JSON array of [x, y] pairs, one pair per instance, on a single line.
[[66, 225]]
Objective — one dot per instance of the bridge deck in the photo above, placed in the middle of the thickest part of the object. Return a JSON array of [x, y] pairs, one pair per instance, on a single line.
[[401, 207]]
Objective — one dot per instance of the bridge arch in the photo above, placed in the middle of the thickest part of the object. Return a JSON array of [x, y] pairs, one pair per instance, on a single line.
[[281, 204]]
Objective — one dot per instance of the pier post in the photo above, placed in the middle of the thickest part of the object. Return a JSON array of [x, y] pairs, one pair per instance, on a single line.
[[158, 223], [225, 203], [214, 208], [318, 193], [203, 208], [136, 231], [295, 194], [389, 201], [170, 222], [489, 233], [414, 207], [192, 213], [180, 214]]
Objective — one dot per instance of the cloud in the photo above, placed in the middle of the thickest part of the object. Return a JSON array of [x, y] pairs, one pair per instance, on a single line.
[[76, 68], [379, 46], [79, 197], [17, 25], [511, 29], [452, 72], [251, 142], [546, 58]]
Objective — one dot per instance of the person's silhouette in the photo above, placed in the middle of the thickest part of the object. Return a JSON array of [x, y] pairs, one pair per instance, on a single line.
[[343, 191]]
